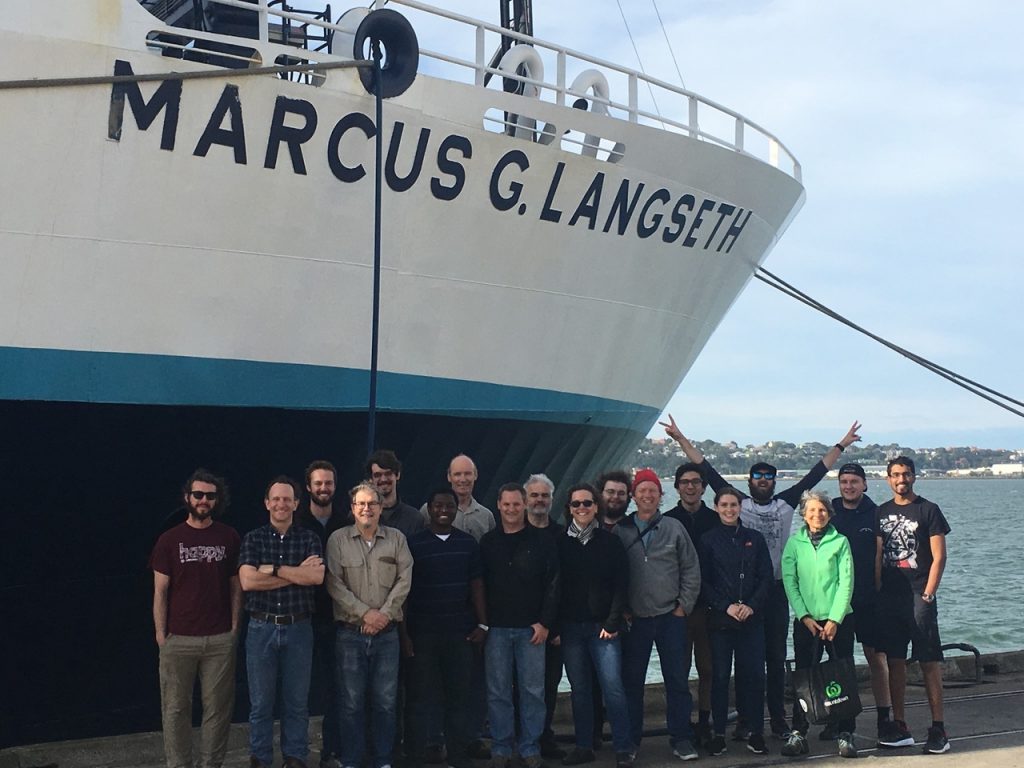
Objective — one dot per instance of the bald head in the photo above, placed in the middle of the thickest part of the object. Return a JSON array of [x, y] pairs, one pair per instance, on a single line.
[[462, 477]]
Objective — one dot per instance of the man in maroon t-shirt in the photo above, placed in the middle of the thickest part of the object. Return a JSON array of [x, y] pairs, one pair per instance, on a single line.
[[197, 602]]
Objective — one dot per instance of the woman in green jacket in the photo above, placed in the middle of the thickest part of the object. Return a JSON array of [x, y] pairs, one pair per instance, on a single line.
[[817, 572]]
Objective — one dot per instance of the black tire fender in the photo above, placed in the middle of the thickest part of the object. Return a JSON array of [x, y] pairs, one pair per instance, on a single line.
[[401, 51]]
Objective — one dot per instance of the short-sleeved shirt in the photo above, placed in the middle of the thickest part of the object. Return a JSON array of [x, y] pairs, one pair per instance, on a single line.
[[906, 530], [266, 546], [441, 572], [200, 563]]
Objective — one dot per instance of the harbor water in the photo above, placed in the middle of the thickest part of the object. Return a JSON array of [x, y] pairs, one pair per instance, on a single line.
[[984, 577]]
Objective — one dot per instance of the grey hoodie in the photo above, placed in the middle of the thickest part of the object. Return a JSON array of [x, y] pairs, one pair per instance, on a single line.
[[663, 568]]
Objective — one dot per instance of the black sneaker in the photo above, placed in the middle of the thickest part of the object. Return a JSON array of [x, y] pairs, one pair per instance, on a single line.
[[549, 748], [435, 754], [846, 746], [716, 746], [795, 745], [478, 750], [937, 742], [579, 756], [742, 733], [624, 759], [894, 733], [702, 734], [756, 744]]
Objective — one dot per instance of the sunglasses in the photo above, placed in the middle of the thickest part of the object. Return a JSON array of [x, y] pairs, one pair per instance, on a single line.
[[200, 495], [588, 503], [684, 481], [762, 475]]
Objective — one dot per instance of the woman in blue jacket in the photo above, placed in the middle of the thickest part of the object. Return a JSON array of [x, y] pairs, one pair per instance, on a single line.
[[736, 575], [817, 572]]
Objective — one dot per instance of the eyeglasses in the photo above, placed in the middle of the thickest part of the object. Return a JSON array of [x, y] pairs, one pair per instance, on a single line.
[[369, 504], [200, 495], [588, 503], [696, 481], [901, 475], [762, 475]]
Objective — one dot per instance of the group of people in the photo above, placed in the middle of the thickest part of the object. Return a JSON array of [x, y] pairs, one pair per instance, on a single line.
[[416, 630]]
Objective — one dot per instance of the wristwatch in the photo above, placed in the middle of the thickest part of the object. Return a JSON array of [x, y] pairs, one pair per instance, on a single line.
[[276, 566], [927, 598], [484, 627]]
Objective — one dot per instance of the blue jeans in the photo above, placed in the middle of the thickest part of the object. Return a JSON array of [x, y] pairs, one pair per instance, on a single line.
[[367, 671], [668, 633], [510, 656], [746, 645], [583, 652], [286, 652]]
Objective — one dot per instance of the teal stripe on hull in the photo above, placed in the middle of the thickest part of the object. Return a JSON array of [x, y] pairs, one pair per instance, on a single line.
[[114, 377]]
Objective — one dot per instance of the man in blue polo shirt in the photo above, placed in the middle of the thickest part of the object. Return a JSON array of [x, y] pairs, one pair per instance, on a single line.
[[445, 625]]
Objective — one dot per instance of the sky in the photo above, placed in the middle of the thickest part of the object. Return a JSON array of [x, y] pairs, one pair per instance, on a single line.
[[908, 120]]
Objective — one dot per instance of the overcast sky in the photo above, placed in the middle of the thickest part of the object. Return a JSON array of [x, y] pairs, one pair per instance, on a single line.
[[908, 119]]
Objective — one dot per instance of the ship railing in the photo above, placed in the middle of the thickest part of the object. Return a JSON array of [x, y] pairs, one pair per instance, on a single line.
[[704, 119], [679, 109]]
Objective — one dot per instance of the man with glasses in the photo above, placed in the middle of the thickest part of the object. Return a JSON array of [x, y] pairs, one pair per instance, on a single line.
[[279, 566], [384, 470], [197, 602], [912, 535], [369, 573], [614, 489], [697, 518], [770, 514]]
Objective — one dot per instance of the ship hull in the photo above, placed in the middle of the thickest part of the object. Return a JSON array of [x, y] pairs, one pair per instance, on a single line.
[[186, 279]]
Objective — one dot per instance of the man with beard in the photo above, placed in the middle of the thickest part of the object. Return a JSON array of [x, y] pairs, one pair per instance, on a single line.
[[320, 516], [369, 575], [197, 602], [855, 516], [279, 567], [445, 623], [614, 489], [697, 518], [384, 470], [912, 535], [771, 515], [539, 499]]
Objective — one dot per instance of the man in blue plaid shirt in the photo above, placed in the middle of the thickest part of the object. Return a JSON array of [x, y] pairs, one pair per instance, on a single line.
[[280, 565]]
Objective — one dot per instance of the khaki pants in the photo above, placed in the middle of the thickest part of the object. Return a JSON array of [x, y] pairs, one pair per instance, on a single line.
[[182, 657]]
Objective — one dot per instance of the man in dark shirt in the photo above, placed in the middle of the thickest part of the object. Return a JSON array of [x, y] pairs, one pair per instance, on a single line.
[[279, 567], [445, 617], [770, 514], [856, 518], [197, 603], [520, 568], [322, 516], [912, 535], [614, 488], [384, 470], [698, 518]]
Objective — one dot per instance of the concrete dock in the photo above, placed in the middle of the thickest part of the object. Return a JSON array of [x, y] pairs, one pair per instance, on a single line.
[[984, 721]]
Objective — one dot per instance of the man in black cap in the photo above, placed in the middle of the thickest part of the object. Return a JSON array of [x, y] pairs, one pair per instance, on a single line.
[[856, 518], [770, 514]]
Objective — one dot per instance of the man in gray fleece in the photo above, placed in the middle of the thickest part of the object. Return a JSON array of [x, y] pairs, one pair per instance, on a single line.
[[664, 581]]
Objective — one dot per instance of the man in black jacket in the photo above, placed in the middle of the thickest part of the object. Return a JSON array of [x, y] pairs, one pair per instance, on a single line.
[[520, 569]]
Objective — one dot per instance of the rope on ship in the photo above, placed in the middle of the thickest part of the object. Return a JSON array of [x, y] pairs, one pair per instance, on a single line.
[[987, 393]]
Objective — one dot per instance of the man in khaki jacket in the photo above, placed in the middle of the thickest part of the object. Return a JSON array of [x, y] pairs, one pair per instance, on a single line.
[[369, 573]]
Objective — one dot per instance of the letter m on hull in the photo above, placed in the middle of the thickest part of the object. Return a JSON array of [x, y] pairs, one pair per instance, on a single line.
[[167, 97]]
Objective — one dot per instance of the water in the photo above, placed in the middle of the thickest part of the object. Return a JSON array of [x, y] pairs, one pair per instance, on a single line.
[[984, 578]]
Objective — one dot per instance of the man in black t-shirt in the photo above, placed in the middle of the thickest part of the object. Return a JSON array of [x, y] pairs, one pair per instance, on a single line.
[[912, 533]]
